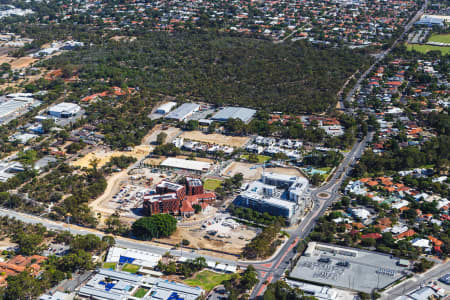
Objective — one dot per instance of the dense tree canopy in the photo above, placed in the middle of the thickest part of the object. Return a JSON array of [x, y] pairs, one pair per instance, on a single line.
[[156, 226], [221, 69]]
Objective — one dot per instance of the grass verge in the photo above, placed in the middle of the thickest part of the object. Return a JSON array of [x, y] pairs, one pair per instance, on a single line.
[[207, 279], [428, 48], [212, 184]]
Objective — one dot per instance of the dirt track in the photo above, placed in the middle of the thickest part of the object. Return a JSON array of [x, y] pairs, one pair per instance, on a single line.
[[214, 138]]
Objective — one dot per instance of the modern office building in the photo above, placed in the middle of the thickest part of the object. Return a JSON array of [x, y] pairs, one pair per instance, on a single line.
[[171, 198], [194, 186], [276, 194]]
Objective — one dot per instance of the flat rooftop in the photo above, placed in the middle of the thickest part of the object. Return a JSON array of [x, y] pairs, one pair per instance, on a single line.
[[186, 164], [9, 169], [182, 111], [366, 270], [242, 113]]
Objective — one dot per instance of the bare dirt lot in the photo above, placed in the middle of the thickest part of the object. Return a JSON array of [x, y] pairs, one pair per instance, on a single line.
[[17, 63], [234, 240], [103, 156], [215, 138], [171, 132], [254, 171]]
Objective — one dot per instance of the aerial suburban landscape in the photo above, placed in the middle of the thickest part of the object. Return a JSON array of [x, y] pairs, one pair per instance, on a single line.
[[271, 150]]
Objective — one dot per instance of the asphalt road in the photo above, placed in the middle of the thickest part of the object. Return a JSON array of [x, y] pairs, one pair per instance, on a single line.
[[383, 54], [282, 260], [272, 269], [415, 282], [276, 267]]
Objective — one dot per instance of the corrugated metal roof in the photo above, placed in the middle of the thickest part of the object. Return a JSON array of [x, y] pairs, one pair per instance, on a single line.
[[245, 114]]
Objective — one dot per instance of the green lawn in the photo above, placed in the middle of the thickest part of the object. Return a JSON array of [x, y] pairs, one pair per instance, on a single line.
[[261, 158], [207, 279], [440, 38], [109, 265], [140, 293], [130, 268], [428, 48], [325, 169], [212, 184]]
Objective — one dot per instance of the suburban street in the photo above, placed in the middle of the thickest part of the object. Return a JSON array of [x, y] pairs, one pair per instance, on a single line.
[[282, 260], [383, 54], [274, 268]]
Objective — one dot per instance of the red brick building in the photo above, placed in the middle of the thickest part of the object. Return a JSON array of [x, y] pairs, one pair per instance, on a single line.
[[171, 198], [194, 186], [166, 187], [161, 204]]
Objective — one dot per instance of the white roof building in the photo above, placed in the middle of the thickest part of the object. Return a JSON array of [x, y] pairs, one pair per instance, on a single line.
[[361, 213], [183, 112], [138, 257], [421, 243], [192, 165], [166, 108], [64, 109]]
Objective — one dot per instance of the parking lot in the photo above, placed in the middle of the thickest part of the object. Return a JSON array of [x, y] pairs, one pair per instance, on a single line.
[[364, 272]]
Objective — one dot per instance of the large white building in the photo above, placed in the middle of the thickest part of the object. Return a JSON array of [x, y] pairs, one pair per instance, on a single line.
[[134, 256], [64, 110], [183, 112], [108, 284], [276, 194], [166, 108], [184, 164]]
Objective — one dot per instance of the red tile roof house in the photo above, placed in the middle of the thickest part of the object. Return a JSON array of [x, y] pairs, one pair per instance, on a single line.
[[374, 235], [407, 233]]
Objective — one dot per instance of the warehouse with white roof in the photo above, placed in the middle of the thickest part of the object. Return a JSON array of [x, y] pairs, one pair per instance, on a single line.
[[165, 108], [183, 112], [242, 113], [184, 164]]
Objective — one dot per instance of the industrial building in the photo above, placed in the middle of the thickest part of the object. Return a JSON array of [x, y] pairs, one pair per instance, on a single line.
[[433, 20], [117, 285], [9, 169], [64, 110], [348, 268], [276, 194], [14, 105], [183, 112], [165, 108], [184, 164], [242, 113]]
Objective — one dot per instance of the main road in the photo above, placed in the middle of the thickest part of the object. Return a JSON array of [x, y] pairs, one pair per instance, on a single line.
[[323, 197], [383, 54], [271, 269]]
